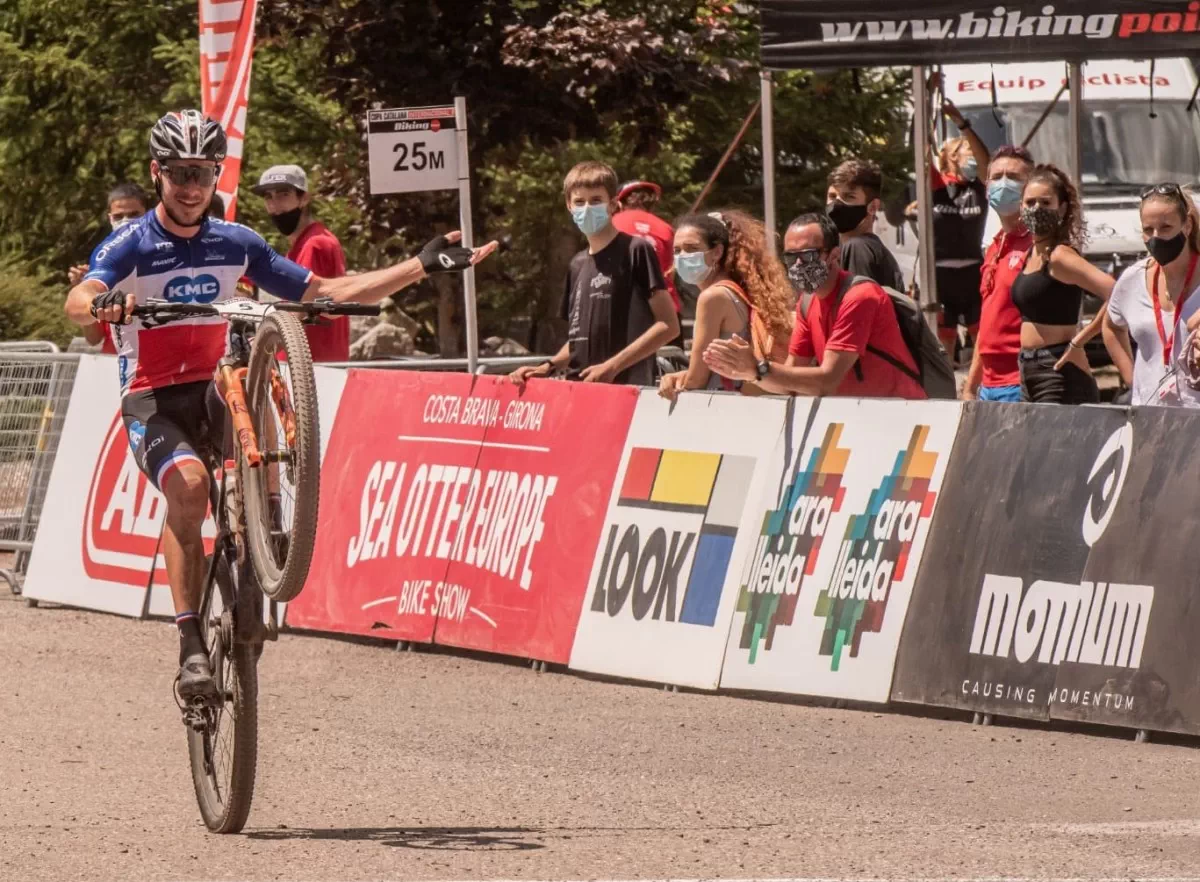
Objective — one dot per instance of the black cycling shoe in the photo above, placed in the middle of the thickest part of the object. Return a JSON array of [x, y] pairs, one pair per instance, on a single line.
[[196, 678]]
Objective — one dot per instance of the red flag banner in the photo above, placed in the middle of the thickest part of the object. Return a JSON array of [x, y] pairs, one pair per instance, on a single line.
[[226, 52]]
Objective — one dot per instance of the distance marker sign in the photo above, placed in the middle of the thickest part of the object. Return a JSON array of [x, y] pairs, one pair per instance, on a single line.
[[412, 149]]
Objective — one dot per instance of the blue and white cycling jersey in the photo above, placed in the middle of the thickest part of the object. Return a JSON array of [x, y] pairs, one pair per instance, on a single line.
[[144, 259]]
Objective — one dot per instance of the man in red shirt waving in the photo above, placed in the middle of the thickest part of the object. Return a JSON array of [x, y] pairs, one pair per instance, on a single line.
[[844, 341], [284, 188]]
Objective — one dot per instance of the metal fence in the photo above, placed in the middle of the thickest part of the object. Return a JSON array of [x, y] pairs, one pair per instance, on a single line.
[[35, 387]]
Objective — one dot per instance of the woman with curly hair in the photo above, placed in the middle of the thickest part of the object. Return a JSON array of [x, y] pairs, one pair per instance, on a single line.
[[1049, 291], [743, 292]]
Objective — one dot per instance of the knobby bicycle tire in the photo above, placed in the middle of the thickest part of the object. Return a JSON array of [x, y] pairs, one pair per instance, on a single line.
[[225, 805], [282, 331]]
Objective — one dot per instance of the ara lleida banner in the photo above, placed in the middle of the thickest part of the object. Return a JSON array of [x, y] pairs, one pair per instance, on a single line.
[[868, 33]]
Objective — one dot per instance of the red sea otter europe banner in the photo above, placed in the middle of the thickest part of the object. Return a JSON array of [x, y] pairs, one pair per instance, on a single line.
[[462, 510]]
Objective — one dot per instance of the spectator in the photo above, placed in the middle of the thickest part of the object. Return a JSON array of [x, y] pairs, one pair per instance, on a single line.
[[846, 341], [853, 202], [959, 219], [635, 200], [1156, 294], [995, 374], [126, 202], [284, 189], [1048, 292], [615, 299], [743, 291]]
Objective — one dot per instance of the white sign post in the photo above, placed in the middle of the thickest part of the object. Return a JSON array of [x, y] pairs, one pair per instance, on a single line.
[[418, 149]]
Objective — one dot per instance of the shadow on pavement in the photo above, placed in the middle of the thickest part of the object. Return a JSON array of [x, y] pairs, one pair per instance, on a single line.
[[441, 838]]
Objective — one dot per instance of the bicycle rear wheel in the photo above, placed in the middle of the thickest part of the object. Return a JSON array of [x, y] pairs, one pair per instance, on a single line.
[[224, 751], [282, 495]]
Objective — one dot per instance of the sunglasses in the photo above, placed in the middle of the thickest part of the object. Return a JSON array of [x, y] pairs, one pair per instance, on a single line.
[[182, 175], [1172, 190], [807, 255]]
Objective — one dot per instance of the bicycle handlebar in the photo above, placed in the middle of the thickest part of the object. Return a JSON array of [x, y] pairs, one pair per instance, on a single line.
[[167, 309]]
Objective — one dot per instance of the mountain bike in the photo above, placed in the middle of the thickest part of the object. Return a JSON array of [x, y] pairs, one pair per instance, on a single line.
[[264, 500]]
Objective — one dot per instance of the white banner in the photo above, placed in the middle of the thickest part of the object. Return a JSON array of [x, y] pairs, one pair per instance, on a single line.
[[226, 55], [682, 518], [838, 537], [100, 524]]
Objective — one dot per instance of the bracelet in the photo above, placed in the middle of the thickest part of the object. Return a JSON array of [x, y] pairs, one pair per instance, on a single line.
[[1073, 345]]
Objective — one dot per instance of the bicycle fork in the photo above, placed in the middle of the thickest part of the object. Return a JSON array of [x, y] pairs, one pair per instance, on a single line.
[[233, 390]]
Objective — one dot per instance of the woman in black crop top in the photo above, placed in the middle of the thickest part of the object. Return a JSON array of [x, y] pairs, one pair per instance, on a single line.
[[1054, 368]]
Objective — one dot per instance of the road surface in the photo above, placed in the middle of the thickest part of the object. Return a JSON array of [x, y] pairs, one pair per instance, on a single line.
[[376, 764]]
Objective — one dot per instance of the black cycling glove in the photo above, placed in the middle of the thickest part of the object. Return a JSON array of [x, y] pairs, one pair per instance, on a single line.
[[107, 299], [439, 256]]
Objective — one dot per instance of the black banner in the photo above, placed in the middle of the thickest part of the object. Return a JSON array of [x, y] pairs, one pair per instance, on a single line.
[[1027, 490], [1139, 657], [869, 33]]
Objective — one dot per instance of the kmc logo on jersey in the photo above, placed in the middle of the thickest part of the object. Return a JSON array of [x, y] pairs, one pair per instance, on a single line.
[[184, 289]]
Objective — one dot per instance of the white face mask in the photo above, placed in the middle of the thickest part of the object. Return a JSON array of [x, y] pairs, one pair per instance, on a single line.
[[116, 225]]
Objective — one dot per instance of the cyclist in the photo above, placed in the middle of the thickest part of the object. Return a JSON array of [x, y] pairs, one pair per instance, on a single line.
[[179, 252]]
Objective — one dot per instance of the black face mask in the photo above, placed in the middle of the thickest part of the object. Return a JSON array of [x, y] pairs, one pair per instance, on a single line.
[[844, 216], [287, 222], [1165, 251]]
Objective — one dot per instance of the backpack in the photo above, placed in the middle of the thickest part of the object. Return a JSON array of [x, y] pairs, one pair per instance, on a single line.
[[934, 372]]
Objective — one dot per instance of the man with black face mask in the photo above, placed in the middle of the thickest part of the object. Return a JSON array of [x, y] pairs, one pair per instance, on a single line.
[[852, 202], [284, 189]]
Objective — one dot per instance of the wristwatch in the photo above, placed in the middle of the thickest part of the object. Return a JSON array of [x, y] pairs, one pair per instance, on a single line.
[[762, 369]]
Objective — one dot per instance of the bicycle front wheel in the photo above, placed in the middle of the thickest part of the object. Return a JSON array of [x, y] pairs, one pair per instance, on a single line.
[[224, 751], [282, 495]]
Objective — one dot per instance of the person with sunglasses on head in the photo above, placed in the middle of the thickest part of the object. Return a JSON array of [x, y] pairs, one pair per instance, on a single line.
[[1048, 292], [994, 374], [846, 341], [1155, 298], [126, 203], [743, 292], [179, 252]]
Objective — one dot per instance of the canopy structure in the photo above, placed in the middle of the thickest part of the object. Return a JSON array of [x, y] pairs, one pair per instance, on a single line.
[[882, 33]]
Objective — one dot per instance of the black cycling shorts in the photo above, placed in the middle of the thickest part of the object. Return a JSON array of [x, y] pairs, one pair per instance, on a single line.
[[173, 424], [958, 293]]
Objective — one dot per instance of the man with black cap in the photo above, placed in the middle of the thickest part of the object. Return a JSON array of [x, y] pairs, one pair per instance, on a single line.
[[284, 188]]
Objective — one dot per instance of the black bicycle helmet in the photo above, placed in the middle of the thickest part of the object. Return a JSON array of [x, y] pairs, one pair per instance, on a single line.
[[187, 134]]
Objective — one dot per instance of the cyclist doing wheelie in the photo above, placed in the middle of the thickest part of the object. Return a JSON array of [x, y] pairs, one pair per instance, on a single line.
[[169, 405]]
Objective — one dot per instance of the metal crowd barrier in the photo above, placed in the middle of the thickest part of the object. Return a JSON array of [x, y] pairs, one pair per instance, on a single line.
[[35, 388]]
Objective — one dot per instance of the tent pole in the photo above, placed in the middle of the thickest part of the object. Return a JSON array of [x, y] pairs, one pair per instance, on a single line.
[[768, 160], [926, 277], [1075, 118]]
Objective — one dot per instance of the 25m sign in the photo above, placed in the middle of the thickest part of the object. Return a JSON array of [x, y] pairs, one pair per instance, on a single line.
[[412, 149]]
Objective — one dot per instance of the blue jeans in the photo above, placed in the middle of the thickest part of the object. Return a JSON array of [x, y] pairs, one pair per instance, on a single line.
[[1009, 394]]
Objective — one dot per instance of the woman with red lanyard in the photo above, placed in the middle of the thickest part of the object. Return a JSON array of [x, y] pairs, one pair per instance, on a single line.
[[743, 291], [1155, 297]]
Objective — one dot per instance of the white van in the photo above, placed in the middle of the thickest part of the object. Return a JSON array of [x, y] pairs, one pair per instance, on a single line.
[[1124, 149]]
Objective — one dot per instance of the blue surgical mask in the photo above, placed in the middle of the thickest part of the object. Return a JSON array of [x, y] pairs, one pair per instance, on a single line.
[[970, 169], [1004, 195], [691, 267], [590, 219]]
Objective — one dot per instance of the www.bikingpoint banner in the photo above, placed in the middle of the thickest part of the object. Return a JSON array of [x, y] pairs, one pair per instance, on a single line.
[[868, 33]]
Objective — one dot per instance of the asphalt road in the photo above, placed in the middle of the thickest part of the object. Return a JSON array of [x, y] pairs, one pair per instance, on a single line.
[[375, 764]]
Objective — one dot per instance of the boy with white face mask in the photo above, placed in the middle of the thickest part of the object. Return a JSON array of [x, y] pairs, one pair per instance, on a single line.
[[615, 301]]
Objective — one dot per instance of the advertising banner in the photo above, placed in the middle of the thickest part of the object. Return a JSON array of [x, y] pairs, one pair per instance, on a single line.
[[464, 508], [1132, 656], [101, 521], [868, 33], [226, 55], [680, 523], [1000, 600], [841, 529]]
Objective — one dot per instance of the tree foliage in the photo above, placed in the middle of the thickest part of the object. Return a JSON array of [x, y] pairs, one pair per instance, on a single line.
[[658, 90]]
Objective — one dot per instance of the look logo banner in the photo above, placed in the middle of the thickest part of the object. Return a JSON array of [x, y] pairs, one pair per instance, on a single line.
[[678, 529], [842, 530]]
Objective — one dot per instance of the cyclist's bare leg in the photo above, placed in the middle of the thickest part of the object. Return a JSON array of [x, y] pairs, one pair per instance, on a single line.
[[186, 490]]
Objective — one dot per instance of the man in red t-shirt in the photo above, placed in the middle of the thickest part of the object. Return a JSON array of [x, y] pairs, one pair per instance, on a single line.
[[839, 346], [284, 188], [634, 201], [994, 375]]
